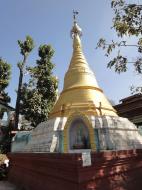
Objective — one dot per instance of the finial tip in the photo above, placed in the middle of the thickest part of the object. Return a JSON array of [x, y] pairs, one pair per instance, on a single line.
[[74, 14], [76, 29]]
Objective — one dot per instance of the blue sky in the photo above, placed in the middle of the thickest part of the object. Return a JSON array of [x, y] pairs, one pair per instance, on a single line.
[[50, 22]]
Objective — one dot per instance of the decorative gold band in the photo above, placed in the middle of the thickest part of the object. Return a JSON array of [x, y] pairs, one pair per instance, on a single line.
[[82, 87], [102, 108]]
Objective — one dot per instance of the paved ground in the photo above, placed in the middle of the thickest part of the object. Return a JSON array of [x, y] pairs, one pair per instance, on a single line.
[[5, 185]]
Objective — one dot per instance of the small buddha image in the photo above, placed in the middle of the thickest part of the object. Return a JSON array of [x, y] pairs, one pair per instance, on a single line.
[[79, 136], [85, 141]]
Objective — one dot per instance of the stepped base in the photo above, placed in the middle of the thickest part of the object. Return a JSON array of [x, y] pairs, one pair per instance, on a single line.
[[110, 170]]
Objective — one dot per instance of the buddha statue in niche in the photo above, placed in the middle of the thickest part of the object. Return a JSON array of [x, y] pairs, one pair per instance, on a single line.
[[79, 135]]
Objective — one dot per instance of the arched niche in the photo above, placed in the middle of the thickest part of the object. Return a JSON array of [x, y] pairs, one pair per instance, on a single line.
[[74, 120], [78, 135]]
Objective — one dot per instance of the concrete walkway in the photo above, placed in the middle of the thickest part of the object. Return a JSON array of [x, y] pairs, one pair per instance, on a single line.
[[5, 185]]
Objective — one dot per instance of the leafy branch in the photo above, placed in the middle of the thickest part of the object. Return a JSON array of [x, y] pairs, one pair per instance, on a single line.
[[120, 62], [39, 94], [25, 48], [127, 21]]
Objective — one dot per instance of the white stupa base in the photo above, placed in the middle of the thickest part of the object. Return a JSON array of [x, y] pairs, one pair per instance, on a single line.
[[110, 133]]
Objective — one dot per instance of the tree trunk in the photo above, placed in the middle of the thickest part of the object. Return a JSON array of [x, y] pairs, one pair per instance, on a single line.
[[17, 109]]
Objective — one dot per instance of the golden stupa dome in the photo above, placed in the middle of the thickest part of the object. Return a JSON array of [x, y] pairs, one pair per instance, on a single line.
[[81, 91]]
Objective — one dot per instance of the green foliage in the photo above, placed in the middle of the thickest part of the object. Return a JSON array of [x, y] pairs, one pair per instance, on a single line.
[[138, 65], [127, 21], [2, 110], [3, 172], [6, 140], [5, 73], [6, 97], [127, 18], [140, 45], [3, 169], [120, 64], [39, 95], [25, 48]]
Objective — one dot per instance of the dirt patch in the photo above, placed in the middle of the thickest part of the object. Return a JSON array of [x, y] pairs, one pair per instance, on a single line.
[[5, 185]]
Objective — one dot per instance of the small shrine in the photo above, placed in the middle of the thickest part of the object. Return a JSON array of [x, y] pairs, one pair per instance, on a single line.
[[82, 118], [84, 145]]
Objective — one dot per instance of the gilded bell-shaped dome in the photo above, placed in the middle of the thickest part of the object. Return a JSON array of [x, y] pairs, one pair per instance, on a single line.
[[81, 91]]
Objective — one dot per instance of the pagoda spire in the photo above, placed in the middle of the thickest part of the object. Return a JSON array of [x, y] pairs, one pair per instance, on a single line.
[[78, 64], [81, 91], [76, 32]]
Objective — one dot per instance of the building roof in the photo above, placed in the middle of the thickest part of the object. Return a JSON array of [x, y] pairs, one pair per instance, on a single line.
[[132, 98], [130, 107]]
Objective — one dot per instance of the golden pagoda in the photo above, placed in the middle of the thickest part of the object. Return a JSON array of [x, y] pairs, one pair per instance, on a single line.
[[82, 119], [81, 91]]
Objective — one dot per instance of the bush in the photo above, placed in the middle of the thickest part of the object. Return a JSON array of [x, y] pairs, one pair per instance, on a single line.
[[3, 168], [3, 172]]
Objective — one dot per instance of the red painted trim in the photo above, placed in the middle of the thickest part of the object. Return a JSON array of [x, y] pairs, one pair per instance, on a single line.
[[110, 170]]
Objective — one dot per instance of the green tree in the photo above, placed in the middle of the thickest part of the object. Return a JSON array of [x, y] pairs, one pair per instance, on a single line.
[[25, 47], [39, 94], [127, 21], [5, 73]]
